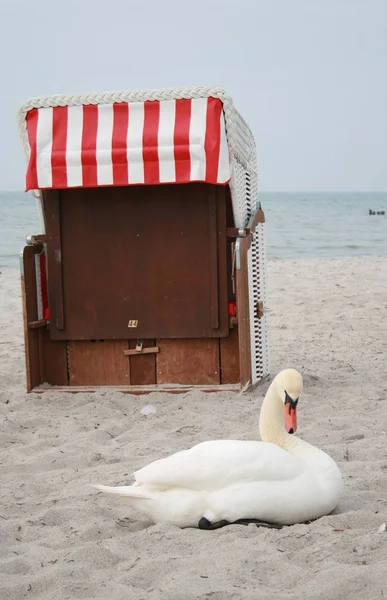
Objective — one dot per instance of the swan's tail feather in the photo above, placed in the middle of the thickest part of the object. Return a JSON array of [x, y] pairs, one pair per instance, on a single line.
[[123, 490]]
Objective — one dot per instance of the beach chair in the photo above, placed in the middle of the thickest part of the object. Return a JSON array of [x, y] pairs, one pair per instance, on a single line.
[[149, 269]]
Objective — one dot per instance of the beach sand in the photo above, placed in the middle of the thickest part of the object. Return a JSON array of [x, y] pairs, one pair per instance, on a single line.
[[60, 538]]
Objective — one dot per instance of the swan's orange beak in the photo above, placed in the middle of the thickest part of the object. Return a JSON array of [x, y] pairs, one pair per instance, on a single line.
[[290, 418]]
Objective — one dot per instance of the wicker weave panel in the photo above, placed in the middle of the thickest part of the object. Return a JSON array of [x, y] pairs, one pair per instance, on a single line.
[[257, 292]]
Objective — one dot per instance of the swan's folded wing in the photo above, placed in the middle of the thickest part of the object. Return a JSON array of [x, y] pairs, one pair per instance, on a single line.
[[215, 464]]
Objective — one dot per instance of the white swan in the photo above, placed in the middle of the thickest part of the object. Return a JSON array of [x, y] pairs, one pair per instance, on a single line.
[[281, 480]]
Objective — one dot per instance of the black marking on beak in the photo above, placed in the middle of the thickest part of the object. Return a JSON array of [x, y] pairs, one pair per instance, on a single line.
[[292, 403]]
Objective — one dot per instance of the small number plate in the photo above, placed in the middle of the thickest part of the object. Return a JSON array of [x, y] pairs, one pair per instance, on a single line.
[[133, 323]]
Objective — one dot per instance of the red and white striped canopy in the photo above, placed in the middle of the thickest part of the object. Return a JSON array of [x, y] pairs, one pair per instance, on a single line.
[[152, 142]]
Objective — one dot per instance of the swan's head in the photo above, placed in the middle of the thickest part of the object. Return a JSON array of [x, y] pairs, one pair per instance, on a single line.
[[289, 388]]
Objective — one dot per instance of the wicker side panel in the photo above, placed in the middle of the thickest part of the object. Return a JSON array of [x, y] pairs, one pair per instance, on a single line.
[[240, 198], [262, 286], [257, 293], [244, 192]]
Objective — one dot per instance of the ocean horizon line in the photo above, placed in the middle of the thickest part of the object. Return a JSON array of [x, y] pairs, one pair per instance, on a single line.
[[261, 191]]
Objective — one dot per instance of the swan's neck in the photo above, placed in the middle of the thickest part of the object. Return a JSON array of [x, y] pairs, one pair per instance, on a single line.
[[272, 421], [272, 429]]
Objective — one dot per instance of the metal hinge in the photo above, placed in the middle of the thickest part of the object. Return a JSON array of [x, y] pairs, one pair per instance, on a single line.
[[237, 254]]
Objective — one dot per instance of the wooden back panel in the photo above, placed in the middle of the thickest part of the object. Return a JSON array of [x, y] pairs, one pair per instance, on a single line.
[[151, 255]]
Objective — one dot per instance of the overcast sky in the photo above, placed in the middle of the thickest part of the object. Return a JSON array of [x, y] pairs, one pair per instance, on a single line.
[[309, 76]]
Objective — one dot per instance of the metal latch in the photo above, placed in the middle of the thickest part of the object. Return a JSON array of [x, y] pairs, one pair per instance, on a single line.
[[259, 309]]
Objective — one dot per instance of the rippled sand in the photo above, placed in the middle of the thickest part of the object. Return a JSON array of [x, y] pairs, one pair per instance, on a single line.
[[61, 539]]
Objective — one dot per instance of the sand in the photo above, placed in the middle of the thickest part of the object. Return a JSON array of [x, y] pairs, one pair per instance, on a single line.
[[61, 539]]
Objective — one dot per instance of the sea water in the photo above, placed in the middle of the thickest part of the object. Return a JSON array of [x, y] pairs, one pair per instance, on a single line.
[[299, 225]]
